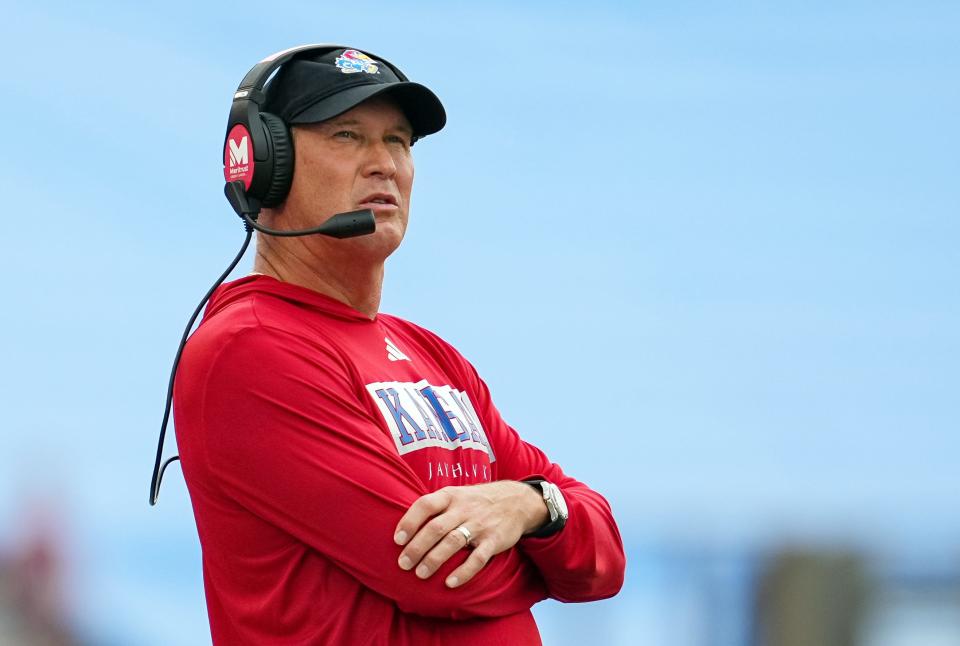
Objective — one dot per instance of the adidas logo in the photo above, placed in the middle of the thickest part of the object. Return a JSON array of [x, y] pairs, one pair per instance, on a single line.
[[393, 352]]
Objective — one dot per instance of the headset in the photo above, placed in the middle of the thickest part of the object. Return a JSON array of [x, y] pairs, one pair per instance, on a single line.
[[258, 169]]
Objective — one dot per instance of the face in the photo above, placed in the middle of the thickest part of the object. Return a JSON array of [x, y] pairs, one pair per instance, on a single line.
[[358, 160]]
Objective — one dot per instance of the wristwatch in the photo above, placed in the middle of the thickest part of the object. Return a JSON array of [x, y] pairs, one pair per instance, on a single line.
[[556, 505]]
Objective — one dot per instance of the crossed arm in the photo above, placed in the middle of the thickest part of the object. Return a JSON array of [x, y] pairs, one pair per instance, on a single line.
[[583, 562]]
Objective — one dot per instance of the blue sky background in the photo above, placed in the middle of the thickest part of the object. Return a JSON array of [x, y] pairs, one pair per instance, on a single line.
[[706, 256]]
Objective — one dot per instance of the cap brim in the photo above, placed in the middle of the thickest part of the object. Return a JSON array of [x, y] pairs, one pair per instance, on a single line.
[[419, 104]]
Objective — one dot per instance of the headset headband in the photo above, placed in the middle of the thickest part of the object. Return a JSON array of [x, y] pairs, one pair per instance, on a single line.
[[252, 84]]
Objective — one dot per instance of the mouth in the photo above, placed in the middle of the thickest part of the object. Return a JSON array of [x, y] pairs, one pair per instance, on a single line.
[[379, 202]]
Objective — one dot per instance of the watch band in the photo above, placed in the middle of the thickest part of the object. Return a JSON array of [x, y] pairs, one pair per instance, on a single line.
[[557, 507]]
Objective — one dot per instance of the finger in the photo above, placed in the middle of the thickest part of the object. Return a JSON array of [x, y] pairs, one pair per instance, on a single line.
[[423, 508], [433, 532], [478, 558], [446, 547]]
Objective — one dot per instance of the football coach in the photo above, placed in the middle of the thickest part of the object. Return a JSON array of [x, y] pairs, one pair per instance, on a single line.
[[351, 478]]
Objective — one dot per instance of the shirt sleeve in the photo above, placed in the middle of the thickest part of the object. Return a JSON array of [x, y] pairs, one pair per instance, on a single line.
[[585, 560], [286, 436]]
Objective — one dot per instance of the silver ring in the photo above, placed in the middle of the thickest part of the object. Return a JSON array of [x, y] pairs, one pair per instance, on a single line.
[[466, 533]]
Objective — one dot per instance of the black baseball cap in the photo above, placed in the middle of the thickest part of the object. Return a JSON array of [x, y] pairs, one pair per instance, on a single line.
[[317, 87]]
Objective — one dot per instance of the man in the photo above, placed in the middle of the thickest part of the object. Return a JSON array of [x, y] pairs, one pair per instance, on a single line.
[[352, 481]]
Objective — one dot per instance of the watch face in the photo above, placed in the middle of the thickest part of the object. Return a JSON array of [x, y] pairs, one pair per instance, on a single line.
[[557, 499]]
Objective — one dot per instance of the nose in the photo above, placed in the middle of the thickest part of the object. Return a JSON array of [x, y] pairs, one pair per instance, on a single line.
[[379, 161]]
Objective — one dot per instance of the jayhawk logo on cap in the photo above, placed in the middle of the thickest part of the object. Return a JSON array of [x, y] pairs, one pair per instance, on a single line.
[[352, 61]]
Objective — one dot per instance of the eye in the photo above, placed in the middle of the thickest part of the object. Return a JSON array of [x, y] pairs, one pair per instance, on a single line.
[[345, 134], [397, 139]]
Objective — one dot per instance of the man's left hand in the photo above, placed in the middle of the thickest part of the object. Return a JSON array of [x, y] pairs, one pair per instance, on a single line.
[[495, 515]]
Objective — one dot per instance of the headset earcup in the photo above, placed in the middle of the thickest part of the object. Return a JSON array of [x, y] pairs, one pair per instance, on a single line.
[[282, 175]]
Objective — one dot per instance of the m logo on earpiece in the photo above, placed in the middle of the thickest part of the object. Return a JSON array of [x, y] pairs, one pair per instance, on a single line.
[[239, 152], [237, 161]]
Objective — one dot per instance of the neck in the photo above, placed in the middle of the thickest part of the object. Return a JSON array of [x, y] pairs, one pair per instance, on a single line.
[[337, 275]]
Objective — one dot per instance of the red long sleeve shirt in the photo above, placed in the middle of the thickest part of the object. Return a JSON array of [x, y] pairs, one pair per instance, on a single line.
[[306, 430]]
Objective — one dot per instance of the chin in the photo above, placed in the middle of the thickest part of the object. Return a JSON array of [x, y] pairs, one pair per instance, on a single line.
[[377, 246], [390, 230]]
